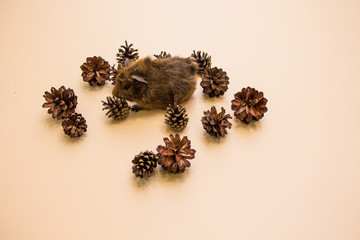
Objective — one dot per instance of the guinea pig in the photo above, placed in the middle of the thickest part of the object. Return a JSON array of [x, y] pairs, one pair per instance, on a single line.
[[154, 84]]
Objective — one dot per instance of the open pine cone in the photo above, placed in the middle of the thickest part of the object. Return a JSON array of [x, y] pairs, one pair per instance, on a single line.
[[144, 164], [163, 54], [95, 71], [249, 104], [173, 157], [176, 117], [214, 123], [118, 108], [61, 102], [74, 125], [127, 52], [202, 59], [214, 82], [113, 72]]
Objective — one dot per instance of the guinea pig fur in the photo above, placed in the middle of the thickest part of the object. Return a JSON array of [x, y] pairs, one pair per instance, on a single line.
[[154, 84]]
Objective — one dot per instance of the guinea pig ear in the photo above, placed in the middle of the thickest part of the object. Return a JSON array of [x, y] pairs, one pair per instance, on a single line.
[[139, 79]]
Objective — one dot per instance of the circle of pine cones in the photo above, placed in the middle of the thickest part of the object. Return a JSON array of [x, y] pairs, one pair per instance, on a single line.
[[214, 82], [61, 102], [95, 71], [249, 104], [214, 123], [144, 164], [202, 59], [74, 125], [176, 117], [173, 157], [117, 108]]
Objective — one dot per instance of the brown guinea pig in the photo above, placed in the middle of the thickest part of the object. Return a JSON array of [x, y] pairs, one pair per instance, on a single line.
[[154, 84]]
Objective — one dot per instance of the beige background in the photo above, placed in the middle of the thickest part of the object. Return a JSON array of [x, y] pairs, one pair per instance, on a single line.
[[293, 175]]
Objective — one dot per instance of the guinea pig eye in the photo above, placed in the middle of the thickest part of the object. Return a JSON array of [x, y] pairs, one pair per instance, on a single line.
[[127, 86]]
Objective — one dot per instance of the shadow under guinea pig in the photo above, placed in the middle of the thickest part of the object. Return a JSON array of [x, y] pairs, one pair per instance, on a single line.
[[145, 113]]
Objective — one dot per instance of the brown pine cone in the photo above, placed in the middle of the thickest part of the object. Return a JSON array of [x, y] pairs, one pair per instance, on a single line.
[[176, 117], [214, 123], [95, 71], [74, 125], [173, 156], [249, 104], [61, 102], [202, 59], [163, 54], [113, 72], [214, 82], [127, 52], [118, 108], [144, 164]]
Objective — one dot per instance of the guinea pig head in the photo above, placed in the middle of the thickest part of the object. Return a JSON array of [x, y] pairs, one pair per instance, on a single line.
[[129, 86]]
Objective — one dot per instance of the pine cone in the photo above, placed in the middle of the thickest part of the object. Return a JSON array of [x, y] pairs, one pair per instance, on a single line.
[[144, 164], [173, 156], [176, 117], [127, 52], [202, 59], [113, 73], [74, 125], [61, 102], [214, 82], [95, 71], [163, 54], [249, 104], [215, 123], [118, 108]]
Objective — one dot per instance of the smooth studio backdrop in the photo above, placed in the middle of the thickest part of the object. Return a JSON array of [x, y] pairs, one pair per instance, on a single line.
[[292, 175]]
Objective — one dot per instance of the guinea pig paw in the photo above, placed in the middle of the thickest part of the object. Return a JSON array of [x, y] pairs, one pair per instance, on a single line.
[[135, 108]]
